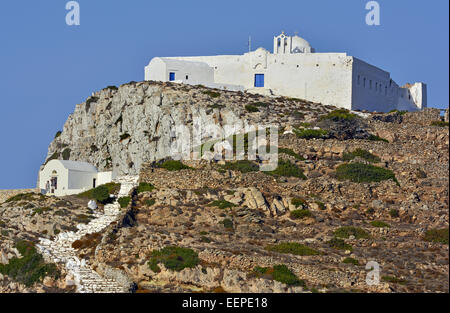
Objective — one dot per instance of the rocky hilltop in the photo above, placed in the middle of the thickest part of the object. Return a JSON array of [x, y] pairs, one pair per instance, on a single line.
[[352, 189], [121, 128]]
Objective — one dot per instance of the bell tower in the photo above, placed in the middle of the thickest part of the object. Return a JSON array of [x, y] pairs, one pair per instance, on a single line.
[[282, 44]]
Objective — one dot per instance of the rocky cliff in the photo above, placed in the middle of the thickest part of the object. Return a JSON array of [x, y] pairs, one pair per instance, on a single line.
[[121, 128]]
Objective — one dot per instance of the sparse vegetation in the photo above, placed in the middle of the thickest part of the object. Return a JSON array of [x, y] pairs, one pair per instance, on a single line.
[[363, 173], [124, 202], [30, 268], [347, 231], [349, 260], [364, 154], [251, 108], [243, 166], [300, 214], [339, 115], [66, 154], [393, 279], [291, 153], [212, 94], [394, 213], [321, 205], [377, 138], [54, 156], [379, 224], [439, 124], [298, 202], [227, 223], [279, 273], [174, 258], [339, 244], [437, 235], [174, 165], [40, 210], [292, 248], [58, 133], [144, 187], [311, 133], [222, 204], [287, 169], [150, 202], [25, 197]]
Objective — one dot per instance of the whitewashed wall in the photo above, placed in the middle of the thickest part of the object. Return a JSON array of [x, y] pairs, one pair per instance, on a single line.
[[327, 78]]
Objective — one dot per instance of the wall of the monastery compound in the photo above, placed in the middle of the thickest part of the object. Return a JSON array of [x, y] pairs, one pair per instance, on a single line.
[[295, 70]]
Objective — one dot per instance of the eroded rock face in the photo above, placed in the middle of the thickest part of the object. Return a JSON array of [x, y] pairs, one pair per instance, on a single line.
[[122, 128]]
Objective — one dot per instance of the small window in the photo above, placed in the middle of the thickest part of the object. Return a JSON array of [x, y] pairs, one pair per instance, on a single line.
[[298, 66], [171, 76], [359, 79], [94, 183], [187, 77], [259, 80]]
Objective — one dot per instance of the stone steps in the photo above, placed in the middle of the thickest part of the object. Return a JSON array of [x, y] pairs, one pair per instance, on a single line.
[[60, 249]]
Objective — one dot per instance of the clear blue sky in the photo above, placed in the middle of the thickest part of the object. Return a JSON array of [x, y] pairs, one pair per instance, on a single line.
[[46, 67]]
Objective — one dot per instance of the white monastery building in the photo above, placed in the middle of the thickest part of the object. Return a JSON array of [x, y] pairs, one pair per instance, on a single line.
[[62, 178], [296, 70]]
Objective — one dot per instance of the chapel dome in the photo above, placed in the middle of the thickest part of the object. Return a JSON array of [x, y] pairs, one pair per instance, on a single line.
[[300, 45]]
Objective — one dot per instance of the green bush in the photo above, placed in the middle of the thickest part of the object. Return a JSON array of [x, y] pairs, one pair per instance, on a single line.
[[379, 224], [300, 214], [124, 202], [377, 138], [58, 133], [363, 173], [437, 235], [174, 165], [101, 194], [251, 108], [287, 169], [174, 258], [321, 205], [227, 223], [439, 124], [394, 213], [40, 210], [144, 187], [24, 197], [30, 268], [243, 166], [339, 244], [349, 260], [364, 154], [311, 133], [279, 273], [284, 275], [339, 115], [150, 202], [298, 202], [347, 231], [393, 279], [292, 248], [291, 153], [222, 204]]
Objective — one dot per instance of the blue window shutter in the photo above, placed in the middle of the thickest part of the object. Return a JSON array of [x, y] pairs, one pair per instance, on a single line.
[[171, 76], [259, 80]]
